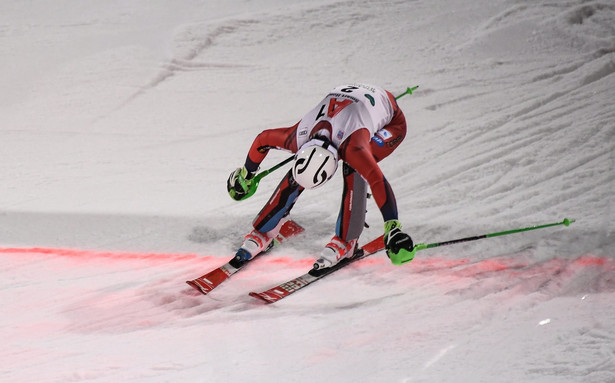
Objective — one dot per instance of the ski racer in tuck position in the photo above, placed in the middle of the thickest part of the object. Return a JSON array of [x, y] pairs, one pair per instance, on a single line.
[[358, 124]]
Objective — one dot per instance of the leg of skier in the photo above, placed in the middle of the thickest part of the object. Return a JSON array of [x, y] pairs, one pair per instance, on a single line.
[[350, 221], [268, 222]]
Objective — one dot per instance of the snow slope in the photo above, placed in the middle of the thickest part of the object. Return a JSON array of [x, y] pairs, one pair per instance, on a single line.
[[120, 122]]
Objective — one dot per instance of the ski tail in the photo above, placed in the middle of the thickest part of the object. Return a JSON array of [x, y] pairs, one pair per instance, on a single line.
[[289, 229]]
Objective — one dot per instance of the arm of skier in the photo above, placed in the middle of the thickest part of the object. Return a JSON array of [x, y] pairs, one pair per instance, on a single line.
[[239, 184], [280, 138]]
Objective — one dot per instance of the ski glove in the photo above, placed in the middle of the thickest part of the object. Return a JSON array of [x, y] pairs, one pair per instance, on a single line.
[[239, 184], [399, 245]]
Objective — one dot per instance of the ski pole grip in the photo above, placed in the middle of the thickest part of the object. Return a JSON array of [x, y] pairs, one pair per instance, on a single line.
[[257, 178]]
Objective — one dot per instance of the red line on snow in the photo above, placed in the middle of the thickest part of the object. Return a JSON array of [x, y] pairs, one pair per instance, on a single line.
[[95, 253], [456, 266]]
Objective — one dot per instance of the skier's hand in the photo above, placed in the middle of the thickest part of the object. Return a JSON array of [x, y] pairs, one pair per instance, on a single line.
[[399, 245], [239, 183]]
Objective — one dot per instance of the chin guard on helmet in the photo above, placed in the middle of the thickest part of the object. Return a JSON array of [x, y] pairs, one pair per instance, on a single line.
[[315, 163]]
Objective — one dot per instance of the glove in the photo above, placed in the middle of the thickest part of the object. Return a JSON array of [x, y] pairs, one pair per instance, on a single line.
[[399, 245], [239, 184]]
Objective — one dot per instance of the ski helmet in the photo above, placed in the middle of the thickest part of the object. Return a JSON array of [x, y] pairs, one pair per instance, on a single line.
[[315, 163]]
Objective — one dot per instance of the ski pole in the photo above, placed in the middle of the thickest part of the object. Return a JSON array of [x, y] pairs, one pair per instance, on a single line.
[[423, 246], [262, 174], [257, 178], [408, 91]]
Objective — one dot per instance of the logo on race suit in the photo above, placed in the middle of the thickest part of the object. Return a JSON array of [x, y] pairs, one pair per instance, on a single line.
[[385, 134], [378, 141], [370, 98], [340, 135]]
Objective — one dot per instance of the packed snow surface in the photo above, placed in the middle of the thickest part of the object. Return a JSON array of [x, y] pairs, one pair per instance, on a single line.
[[121, 120]]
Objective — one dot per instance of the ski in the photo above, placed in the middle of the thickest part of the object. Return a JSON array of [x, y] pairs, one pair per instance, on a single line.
[[283, 290], [205, 283]]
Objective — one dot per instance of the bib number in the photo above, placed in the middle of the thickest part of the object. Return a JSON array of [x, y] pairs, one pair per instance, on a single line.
[[333, 108]]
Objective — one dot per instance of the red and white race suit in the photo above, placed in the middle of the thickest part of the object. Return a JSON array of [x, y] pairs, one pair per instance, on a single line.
[[365, 123]]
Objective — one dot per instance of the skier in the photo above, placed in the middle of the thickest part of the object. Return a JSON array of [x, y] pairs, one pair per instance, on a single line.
[[357, 123]]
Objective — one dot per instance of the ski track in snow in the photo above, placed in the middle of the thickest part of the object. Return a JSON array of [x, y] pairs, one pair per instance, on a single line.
[[116, 124]]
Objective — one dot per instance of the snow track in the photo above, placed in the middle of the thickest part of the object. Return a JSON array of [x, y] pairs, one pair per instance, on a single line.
[[121, 121]]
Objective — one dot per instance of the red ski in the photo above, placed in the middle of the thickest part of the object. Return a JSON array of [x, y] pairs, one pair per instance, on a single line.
[[214, 278], [283, 290]]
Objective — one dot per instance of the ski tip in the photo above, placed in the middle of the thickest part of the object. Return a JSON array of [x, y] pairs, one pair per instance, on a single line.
[[194, 286], [261, 297], [197, 287]]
